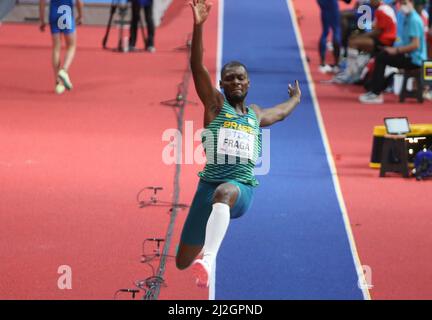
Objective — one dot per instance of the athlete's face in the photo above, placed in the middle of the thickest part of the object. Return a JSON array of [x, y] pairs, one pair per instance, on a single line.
[[235, 83]]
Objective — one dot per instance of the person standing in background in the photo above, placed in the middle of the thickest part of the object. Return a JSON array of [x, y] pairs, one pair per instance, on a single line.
[[330, 19], [61, 21], [148, 14]]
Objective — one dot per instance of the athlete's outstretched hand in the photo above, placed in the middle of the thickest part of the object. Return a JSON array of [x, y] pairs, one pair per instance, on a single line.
[[294, 91], [201, 10]]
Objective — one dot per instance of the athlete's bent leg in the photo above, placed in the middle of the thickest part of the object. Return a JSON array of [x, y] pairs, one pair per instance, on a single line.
[[70, 53], [70, 50], [224, 198], [186, 254], [56, 43], [205, 226], [56, 49]]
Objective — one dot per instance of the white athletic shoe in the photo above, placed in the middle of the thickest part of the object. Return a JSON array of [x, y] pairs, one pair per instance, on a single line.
[[63, 75], [59, 88], [371, 98], [201, 271], [151, 49], [427, 95], [325, 68]]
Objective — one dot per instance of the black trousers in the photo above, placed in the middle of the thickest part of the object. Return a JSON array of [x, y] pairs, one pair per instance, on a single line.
[[148, 14], [384, 59]]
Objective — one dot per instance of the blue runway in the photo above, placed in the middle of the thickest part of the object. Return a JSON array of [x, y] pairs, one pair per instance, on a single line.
[[292, 244]]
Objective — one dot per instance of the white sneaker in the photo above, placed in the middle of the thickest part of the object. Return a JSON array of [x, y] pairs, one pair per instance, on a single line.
[[427, 95], [371, 98], [201, 271], [325, 68], [64, 76], [59, 88], [151, 49]]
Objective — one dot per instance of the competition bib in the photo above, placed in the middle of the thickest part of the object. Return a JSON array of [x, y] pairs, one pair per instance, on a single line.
[[236, 143]]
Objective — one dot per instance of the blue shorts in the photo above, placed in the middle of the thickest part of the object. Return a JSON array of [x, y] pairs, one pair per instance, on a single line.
[[195, 225], [61, 18]]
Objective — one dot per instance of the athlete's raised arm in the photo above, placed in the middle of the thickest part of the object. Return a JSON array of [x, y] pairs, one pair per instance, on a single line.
[[279, 112], [210, 97]]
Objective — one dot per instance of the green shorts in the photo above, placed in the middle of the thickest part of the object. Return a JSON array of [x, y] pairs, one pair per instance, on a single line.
[[195, 225]]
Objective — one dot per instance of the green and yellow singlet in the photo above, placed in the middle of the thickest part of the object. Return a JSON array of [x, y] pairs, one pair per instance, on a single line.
[[232, 145]]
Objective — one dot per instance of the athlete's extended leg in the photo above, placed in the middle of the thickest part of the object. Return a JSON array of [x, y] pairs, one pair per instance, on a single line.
[[224, 198], [194, 231], [70, 54], [56, 48], [70, 50]]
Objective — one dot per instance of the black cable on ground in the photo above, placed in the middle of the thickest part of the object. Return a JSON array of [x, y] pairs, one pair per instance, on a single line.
[[153, 292]]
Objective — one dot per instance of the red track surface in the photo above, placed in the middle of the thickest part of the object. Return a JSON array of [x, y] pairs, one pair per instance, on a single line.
[[390, 217], [71, 165]]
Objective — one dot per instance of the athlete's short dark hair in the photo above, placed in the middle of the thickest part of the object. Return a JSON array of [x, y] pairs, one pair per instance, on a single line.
[[232, 64]]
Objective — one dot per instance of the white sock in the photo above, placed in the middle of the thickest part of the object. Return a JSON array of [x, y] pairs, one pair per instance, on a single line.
[[217, 225]]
